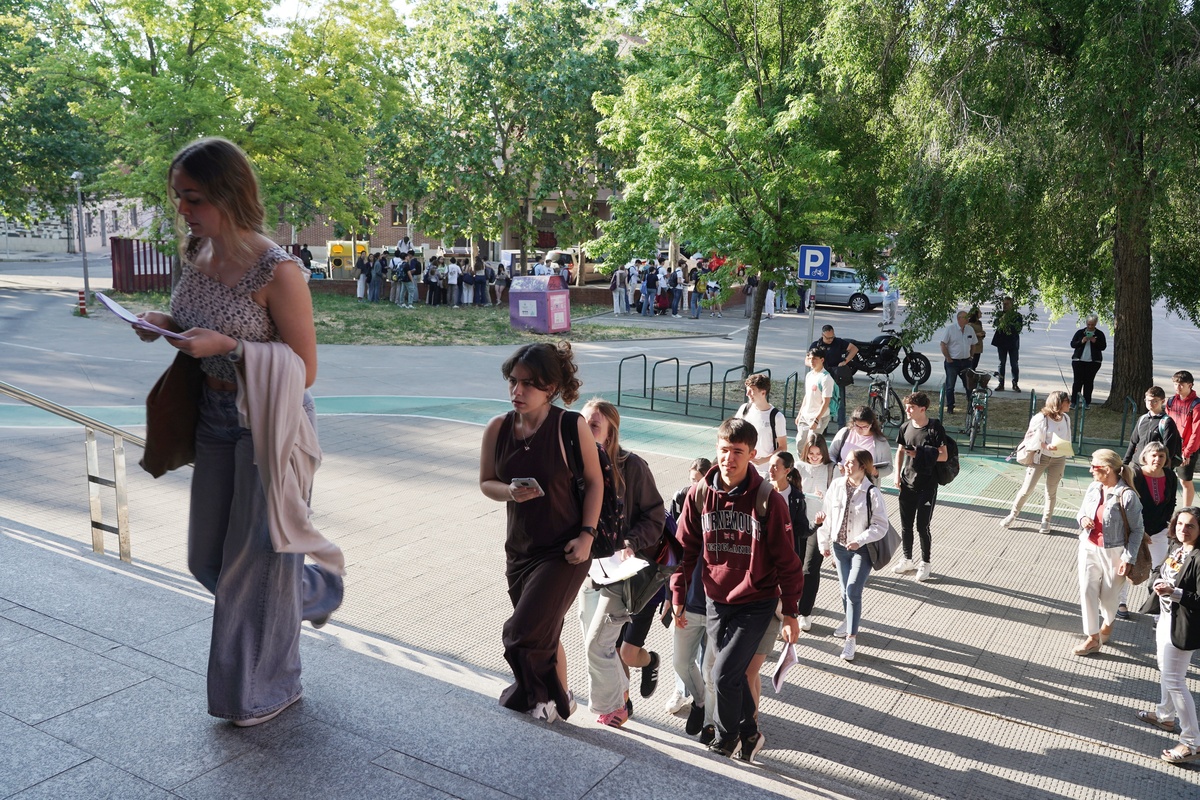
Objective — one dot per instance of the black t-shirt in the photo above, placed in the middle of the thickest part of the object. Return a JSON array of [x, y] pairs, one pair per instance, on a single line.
[[931, 435], [835, 351]]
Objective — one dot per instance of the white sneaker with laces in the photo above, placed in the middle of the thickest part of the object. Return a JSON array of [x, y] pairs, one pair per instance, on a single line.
[[841, 630], [904, 565], [805, 623], [677, 702], [1045, 526], [1004, 523], [547, 712], [924, 571], [848, 649]]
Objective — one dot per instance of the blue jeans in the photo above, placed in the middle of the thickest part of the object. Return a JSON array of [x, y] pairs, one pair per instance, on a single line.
[[260, 595], [676, 300], [373, 289], [734, 632], [853, 567], [694, 302], [647, 301], [954, 371], [408, 293]]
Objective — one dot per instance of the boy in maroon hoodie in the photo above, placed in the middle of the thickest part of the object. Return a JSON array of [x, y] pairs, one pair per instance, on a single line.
[[741, 532]]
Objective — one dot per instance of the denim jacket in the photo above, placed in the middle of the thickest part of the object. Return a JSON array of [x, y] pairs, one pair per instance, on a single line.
[[1114, 521]]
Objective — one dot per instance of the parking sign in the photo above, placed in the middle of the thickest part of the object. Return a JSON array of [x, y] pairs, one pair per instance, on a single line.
[[814, 262]]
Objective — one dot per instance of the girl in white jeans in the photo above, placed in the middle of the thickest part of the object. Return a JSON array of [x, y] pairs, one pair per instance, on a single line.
[[1178, 635], [1050, 422], [1110, 522]]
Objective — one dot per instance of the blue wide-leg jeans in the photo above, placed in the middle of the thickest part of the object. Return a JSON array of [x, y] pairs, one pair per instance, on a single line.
[[260, 595]]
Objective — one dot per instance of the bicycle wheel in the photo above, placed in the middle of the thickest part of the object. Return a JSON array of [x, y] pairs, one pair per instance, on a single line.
[[895, 409], [879, 407], [973, 428]]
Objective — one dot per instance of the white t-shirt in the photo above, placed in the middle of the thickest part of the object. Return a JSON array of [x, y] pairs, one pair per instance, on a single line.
[[817, 386], [959, 342], [767, 439], [452, 272]]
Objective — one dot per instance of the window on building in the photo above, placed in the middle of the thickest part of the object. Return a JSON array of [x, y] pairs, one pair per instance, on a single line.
[[133, 217], [88, 223], [398, 216]]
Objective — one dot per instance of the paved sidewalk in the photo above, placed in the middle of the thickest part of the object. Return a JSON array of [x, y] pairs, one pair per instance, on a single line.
[[963, 686]]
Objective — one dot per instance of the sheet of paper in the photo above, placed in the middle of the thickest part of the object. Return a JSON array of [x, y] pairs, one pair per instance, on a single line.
[[131, 318], [1063, 447], [786, 659], [612, 569]]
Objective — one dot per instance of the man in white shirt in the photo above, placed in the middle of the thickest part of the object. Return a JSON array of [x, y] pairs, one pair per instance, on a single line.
[[956, 344], [539, 267], [818, 392], [452, 273], [766, 419]]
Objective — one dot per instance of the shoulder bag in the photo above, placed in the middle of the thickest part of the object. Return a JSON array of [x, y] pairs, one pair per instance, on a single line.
[[1139, 571]]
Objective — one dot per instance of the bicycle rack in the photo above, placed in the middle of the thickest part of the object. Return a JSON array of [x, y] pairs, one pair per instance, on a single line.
[[793, 381], [621, 370], [654, 379], [1077, 434], [725, 380], [1032, 403], [1127, 406], [688, 392]]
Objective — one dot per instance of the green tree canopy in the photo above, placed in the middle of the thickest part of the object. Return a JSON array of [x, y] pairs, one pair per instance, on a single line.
[[735, 142], [1037, 148]]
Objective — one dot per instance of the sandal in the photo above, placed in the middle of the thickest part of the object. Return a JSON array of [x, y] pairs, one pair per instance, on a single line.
[[1180, 754], [1086, 649], [1150, 718]]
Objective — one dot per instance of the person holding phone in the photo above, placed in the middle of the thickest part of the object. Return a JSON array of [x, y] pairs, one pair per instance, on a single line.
[[550, 528], [1087, 351], [1178, 636]]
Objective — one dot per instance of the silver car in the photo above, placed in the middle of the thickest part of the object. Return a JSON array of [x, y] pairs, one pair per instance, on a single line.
[[844, 289]]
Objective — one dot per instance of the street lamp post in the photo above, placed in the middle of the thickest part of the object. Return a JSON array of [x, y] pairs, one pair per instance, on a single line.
[[78, 178]]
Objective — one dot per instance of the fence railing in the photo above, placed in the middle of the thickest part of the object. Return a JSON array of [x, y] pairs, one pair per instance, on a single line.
[[95, 480], [139, 266]]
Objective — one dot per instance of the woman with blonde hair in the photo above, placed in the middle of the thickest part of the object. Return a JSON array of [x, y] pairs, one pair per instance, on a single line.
[[548, 545], [1051, 422], [1110, 533], [244, 310], [612, 612]]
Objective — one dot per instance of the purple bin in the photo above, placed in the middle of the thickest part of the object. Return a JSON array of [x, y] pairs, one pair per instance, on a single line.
[[539, 303]]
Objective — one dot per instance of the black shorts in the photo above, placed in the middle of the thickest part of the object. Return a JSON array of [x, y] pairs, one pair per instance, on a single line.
[[1187, 469]]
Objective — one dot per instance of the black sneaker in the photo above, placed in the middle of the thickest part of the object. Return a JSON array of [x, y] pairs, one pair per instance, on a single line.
[[650, 675], [724, 747], [695, 720], [629, 707], [708, 735], [750, 747]]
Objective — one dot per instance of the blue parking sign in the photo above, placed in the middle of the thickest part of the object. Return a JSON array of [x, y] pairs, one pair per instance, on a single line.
[[815, 260]]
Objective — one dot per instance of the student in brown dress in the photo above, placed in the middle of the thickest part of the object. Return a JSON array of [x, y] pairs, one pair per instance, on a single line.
[[550, 528]]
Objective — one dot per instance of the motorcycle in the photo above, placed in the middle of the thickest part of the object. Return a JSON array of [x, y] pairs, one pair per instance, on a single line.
[[885, 352]]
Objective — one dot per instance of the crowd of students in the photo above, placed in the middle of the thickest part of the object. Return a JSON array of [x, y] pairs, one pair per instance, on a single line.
[[448, 281], [735, 559]]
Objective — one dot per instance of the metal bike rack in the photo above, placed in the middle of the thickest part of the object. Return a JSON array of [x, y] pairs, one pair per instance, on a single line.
[[654, 379], [1127, 406], [688, 392], [792, 381], [95, 481], [621, 370], [725, 380]]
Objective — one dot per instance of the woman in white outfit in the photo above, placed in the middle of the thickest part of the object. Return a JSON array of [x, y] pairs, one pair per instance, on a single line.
[[855, 516], [1110, 533], [1178, 635], [1048, 423]]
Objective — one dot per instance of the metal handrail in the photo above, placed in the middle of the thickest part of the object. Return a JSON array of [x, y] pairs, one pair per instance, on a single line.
[[621, 369], [688, 392], [1125, 408], [793, 381], [724, 381], [654, 379], [68, 413], [95, 480]]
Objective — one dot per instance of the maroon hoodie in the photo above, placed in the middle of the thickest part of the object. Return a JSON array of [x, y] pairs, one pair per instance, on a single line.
[[742, 562]]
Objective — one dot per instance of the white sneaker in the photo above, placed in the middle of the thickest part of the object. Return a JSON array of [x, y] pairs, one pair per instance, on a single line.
[[805, 623], [1045, 526], [1004, 523], [677, 702], [848, 649], [904, 565], [841, 630], [547, 712], [924, 571]]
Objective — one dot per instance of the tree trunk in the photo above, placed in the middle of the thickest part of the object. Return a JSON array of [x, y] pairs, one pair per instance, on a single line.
[[1133, 320], [750, 352]]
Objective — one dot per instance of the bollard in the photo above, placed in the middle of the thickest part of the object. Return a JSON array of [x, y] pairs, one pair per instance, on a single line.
[[82, 303]]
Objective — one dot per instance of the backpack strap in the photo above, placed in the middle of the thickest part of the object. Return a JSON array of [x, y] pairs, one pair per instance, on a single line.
[[568, 432], [762, 502], [775, 412]]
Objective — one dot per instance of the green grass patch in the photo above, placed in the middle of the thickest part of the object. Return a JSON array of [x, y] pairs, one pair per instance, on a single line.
[[344, 320]]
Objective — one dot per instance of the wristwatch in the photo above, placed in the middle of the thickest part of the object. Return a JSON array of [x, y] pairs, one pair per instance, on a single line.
[[587, 529], [235, 355]]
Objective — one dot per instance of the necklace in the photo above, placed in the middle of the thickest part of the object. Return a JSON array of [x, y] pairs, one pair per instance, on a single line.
[[525, 440]]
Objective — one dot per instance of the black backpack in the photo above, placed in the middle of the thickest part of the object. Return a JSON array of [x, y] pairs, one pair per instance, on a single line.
[[673, 280], [775, 414], [947, 470], [610, 528]]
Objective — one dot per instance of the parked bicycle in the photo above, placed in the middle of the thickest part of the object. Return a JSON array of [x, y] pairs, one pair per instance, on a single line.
[[977, 381], [884, 401]]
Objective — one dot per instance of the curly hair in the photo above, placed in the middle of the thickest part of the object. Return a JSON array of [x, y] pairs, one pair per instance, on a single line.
[[551, 366]]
